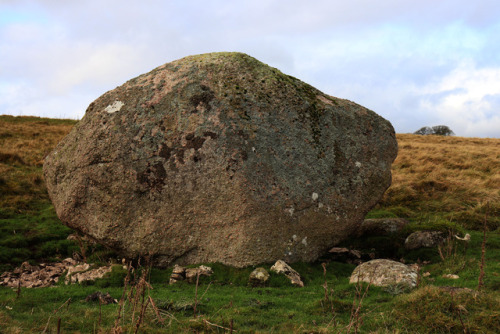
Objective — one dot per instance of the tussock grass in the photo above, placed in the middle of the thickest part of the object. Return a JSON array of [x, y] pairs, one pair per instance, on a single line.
[[29, 228], [437, 310], [458, 178], [24, 143]]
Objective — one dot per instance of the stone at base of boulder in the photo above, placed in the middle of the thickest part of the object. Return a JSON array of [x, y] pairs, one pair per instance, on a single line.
[[382, 226], [343, 254], [82, 273], [258, 277], [424, 239], [180, 273], [281, 267], [381, 272], [47, 274]]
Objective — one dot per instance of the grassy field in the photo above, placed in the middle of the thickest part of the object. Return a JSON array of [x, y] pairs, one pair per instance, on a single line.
[[448, 183]]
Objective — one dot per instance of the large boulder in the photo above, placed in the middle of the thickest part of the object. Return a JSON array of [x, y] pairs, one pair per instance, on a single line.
[[219, 157]]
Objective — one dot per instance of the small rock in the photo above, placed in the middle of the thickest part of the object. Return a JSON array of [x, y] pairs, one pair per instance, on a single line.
[[69, 262], [451, 276], [191, 273], [81, 273], [78, 268], [421, 239], [258, 277], [178, 274], [383, 272], [426, 274], [382, 226], [281, 267], [104, 298], [345, 255]]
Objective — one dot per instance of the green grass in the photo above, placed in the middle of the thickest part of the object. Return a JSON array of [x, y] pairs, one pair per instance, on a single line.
[[33, 237], [456, 202], [279, 307]]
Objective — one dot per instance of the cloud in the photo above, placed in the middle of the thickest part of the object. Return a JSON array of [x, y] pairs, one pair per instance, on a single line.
[[467, 99], [401, 58]]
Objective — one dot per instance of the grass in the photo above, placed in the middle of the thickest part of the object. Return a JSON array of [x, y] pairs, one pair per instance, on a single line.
[[455, 178], [444, 183]]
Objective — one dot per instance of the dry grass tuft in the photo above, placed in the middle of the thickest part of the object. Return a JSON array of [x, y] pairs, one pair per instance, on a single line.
[[24, 143], [453, 175]]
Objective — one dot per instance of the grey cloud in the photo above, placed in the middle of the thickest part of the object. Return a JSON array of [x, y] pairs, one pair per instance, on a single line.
[[377, 53]]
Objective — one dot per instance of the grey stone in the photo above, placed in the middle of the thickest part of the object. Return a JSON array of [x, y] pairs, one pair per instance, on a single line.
[[281, 267], [382, 272], [220, 158], [258, 277], [193, 273], [424, 239], [382, 226]]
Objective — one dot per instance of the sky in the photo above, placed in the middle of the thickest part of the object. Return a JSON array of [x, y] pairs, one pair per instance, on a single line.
[[416, 63]]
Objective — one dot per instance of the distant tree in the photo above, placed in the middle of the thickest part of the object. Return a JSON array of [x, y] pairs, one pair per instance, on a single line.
[[424, 131], [440, 130]]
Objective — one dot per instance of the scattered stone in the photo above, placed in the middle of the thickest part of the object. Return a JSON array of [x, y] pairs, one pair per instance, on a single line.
[[382, 227], [343, 254], [204, 156], [382, 272], [82, 273], [258, 277], [180, 273], [48, 274], [103, 298], [451, 276], [192, 273], [281, 267], [427, 239]]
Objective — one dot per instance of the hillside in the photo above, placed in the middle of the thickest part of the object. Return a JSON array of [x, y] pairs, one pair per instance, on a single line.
[[434, 178], [438, 182], [452, 177]]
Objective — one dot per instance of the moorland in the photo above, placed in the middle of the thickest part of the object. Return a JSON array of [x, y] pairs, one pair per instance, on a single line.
[[451, 184]]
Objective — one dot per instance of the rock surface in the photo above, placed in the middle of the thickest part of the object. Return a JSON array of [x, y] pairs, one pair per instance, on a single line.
[[281, 267], [382, 226], [220, 158], [258, 277], [82, 273], [48, 274], [381, 272], [193, 273], [180, 273], [102, 298], [424, 239], [342, 254]]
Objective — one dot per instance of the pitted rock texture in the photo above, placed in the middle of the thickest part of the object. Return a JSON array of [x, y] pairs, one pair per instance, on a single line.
[[382, 272], [220, 158]]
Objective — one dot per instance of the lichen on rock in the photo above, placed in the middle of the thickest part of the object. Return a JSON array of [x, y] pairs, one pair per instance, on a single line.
[[220, 158]]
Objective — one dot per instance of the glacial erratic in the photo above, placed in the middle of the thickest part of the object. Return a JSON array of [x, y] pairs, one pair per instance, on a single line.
[[220, 158]]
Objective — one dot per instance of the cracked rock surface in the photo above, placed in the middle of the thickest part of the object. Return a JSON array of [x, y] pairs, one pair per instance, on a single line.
[[220, 158]]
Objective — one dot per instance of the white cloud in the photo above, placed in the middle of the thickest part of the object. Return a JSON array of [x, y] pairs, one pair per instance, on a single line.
[[404, 59], [465, 100]]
